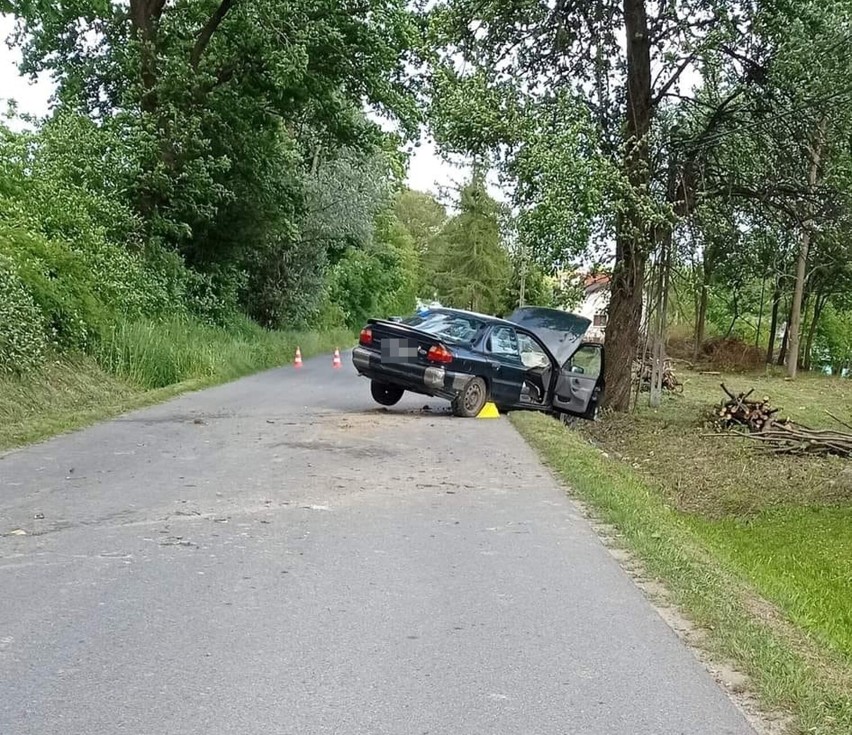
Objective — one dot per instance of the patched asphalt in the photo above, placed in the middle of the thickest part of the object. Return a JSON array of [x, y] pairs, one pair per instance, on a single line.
[[279, 556]]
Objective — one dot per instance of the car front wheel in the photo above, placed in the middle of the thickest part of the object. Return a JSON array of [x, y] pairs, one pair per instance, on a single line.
[[385, 393], [471, 399]]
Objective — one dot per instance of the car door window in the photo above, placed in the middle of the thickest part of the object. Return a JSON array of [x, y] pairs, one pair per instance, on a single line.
[[532, 354], [586, 361], [503, 342]]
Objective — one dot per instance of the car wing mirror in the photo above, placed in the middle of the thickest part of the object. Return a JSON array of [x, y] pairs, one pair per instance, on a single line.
[[577, 369]]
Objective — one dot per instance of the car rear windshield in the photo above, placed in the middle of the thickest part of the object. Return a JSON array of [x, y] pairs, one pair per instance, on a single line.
[[458, 328]]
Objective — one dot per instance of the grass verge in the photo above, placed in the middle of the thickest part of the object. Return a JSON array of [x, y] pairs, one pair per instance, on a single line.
[[139, 364], [789, 671]]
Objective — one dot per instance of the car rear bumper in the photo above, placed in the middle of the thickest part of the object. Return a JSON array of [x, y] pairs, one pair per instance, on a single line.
[[431, 380]]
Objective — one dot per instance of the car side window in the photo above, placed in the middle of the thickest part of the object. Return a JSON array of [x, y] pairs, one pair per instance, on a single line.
[[532, 355], [586, 361], [503, 341]]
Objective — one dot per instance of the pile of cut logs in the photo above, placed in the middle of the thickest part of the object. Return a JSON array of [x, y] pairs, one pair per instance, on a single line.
[[644, 369], [780, 436], [742, 410]]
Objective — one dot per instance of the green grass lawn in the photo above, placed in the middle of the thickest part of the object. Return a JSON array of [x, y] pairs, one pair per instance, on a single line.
[[798, 558], [756, 548]]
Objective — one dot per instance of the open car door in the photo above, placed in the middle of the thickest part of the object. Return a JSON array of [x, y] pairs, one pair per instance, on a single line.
[[579, 387]]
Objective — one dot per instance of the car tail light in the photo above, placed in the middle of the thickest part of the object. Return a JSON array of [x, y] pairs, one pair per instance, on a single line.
[[366, 337], [440, 354]]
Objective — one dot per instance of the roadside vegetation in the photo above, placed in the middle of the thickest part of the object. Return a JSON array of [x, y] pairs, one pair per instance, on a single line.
[[755, 548]]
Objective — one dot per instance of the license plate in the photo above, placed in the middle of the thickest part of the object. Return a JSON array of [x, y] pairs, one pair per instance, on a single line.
[[399, 350]]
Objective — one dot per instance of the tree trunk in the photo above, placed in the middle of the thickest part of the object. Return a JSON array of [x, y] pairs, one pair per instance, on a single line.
[[794, 327], [701, 320], [760, 315], [735, 308], [656, 396], [785, 343], [773, 323], [144, 16], [632, 234], [802, 263], [819, 305]]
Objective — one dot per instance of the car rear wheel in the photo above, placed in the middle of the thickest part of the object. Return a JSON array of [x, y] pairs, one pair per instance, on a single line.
[[385, 393], [471, 399]]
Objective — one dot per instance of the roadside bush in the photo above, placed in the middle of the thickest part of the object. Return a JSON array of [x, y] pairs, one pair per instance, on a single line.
[[22, 336], [61, 286], [379, 280]]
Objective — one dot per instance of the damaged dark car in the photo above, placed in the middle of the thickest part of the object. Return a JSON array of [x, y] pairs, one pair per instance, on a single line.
[[536, 359]]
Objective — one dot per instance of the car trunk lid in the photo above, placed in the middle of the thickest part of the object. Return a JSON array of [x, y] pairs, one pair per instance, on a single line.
[[400, 344]]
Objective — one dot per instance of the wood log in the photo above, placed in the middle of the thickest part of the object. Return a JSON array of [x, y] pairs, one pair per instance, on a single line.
[[758, 420]]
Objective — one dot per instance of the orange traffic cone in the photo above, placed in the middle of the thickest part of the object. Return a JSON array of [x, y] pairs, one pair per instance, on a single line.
[[335, 363], [298, 362]]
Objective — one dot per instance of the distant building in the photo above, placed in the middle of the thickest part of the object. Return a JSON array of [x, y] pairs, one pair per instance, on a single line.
[[594, 303]]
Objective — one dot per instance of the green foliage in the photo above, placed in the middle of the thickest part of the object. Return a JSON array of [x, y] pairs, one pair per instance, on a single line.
[[61, 287], [833, 344], [539, 289], [379, 280], [424, 217], [468, 266], [225, 137], [191, 176], [22, 334], [219, 88]]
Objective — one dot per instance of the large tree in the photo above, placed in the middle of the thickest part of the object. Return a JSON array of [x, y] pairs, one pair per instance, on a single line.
[[623, 62]]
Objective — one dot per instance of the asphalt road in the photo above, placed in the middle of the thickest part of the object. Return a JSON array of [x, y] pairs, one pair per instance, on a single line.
[[277, 556]]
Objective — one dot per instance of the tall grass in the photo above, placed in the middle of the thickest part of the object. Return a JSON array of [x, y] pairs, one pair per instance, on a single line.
[[158, 354]]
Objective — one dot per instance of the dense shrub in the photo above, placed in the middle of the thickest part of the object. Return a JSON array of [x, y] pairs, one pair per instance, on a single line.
[[60, 284], [22, 334], [379, 280]]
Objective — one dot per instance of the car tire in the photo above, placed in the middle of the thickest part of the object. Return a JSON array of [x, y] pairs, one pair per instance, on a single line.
[[471, 399], [386, 394]]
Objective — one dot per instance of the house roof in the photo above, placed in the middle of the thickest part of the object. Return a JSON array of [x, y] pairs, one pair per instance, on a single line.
[[595, 282]]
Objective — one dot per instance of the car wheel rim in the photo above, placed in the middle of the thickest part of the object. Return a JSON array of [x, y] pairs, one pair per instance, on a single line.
[[473, 397]]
